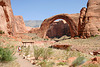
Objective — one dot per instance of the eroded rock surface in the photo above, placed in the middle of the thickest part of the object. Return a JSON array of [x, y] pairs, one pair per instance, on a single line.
[[21, 28], [58, 29], [7, 21], [47, 22], [92, 19]]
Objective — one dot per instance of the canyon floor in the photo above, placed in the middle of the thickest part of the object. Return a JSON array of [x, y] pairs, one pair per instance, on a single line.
[[59, 57]]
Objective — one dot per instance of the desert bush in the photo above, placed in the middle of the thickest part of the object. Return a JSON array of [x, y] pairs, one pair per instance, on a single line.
[[43, 52], [91, 65], [37, 52], [75, 54], [78, 61], [6, 54], [62, 63], [44, 63], [47, 52], [2, 32], [27, 50]]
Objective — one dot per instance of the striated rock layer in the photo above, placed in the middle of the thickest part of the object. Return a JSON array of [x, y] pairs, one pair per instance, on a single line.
[[7, 20], [9, 23], [20, 25], [91, 19], [47, 22]]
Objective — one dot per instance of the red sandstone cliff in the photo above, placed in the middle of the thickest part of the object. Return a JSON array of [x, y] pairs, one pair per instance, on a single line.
[[91, 19], [9, 23], [20, 25], [58, 29], [7, 20]]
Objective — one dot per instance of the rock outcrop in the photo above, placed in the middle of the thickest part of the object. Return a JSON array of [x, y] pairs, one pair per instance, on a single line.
[[47, 22], [9, 23], [91, 20], [20, 25], [7, 20], [75, 17]]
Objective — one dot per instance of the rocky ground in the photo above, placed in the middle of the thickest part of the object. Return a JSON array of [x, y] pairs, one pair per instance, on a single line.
[[63, 58], [59, 57]]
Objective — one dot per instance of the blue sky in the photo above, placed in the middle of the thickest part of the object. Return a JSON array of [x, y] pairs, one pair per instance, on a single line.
[[42, 9]]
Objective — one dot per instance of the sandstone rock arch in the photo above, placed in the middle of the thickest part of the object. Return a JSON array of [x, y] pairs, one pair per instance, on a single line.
[[46, 23]]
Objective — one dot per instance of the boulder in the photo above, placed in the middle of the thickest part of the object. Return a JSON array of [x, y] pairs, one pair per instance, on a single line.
[[61, 46], [96, 60]]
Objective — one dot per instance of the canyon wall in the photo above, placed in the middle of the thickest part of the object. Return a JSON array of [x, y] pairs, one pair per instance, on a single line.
[[7, 20], [20, 25], [90, 20], [9, 23]]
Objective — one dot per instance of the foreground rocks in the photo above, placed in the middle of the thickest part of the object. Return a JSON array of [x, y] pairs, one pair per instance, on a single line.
[[61, 46]]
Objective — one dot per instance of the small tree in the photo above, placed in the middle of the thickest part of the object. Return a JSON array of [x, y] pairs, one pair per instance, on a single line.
[[2, 32], [37, 52]]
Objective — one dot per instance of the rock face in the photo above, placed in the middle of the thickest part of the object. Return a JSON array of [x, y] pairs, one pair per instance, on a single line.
[[91, 19], [7, 21], [58, 29], [81, 23], [47, 22], [75, 17], [20, 25]]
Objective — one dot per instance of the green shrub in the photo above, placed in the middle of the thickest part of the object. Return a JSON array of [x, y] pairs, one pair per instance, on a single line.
[[27, 51], [46, 53], [6, 54], [43, 52], [44, 63], [2, 32], [91, 65], [78, 61], [61, 63], [37, 52]]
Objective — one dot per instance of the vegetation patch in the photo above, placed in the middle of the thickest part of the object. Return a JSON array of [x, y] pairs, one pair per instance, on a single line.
[[6, 54], [78, 61], [45, 63], [62, 63], [2, 32], [91, 65]]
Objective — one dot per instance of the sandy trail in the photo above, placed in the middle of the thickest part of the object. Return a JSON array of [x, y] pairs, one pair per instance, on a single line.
[[22, 62]]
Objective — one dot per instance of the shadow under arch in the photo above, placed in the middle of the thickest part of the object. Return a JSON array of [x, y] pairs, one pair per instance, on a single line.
[[46, 23]]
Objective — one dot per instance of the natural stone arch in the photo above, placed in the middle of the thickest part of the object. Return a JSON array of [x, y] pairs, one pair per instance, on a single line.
[[46, 23]]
